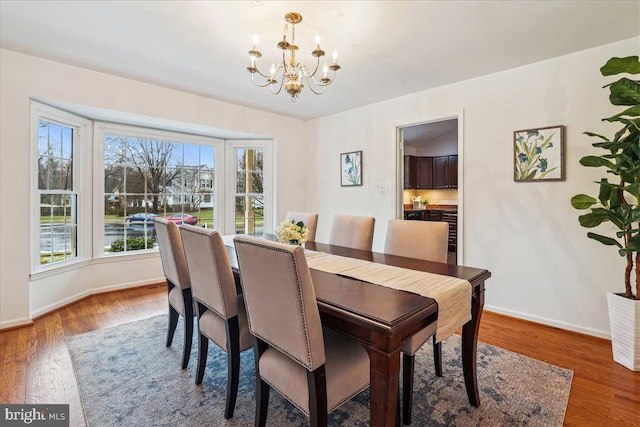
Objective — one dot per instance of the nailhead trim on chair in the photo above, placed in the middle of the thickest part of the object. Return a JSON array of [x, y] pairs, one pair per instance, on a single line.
[[308, 364]]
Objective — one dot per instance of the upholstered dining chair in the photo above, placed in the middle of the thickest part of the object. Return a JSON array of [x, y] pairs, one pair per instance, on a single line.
[[174, 264], [309, 219], [352, 231], [220, 310], [426, 240], [316, 369]]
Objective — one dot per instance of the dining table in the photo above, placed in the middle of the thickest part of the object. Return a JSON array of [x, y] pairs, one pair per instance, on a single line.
[[382, 318]]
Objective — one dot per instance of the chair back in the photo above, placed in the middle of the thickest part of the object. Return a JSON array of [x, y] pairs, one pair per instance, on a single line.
[[352, 231], [309, 219], [212, 281], [174, 262], [427, 240], [280, 299]]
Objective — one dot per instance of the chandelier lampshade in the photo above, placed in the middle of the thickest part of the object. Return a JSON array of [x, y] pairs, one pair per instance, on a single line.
[[289, 73]]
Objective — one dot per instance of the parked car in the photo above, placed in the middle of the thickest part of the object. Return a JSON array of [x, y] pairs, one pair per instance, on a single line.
[[141, 218], [180, 218]]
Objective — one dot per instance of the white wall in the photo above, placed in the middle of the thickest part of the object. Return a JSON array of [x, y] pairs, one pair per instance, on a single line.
[[22, 77], [527, 234]]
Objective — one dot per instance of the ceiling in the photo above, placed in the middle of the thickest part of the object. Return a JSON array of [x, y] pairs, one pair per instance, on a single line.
[[386, 48], [416, 136]]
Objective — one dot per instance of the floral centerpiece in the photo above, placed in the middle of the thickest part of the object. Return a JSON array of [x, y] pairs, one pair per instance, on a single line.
[[292, 232]]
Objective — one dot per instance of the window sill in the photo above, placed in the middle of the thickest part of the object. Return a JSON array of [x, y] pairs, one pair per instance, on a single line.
[[78, 264]]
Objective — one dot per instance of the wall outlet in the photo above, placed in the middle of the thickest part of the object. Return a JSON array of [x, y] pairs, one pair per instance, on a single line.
[[380, 188]]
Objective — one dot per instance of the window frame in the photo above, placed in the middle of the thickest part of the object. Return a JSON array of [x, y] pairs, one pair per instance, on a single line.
[[81, 188], [102, 128], [268, 181]]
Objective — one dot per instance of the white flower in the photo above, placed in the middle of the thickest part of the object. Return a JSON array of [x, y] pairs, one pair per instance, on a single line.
[[290, 231]]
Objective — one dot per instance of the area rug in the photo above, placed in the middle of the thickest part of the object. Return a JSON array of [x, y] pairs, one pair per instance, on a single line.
[[126, 376]]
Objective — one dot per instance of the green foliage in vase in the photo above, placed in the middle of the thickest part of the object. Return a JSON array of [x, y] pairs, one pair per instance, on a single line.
[[619, 191]]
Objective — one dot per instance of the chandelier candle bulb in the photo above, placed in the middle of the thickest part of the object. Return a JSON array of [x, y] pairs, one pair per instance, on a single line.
[[294, 75]]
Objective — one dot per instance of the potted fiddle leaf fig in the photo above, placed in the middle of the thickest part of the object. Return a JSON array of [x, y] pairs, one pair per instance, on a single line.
[[617, 203]]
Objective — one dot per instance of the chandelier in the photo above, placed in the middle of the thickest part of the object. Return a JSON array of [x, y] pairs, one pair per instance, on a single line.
[[292, 74]]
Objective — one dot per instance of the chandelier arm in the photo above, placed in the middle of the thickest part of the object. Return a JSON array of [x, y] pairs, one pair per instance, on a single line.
[[279, 87], [258, 84], [257, 70], [306, 69], [311, 82], [320, 83]]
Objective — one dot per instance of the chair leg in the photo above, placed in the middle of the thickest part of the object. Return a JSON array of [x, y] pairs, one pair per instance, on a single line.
[[203, 345], [173, 323], [317, 381], [437, 356], [262, 403], [262, 388], [188, 326], [203, 348], [233, 364], [408, 363]]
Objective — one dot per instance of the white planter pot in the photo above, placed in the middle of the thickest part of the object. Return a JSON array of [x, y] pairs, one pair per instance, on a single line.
[[624, 318]]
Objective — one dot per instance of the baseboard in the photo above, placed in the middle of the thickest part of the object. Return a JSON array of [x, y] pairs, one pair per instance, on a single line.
[[16, 323], [74, 298], [549, 322]]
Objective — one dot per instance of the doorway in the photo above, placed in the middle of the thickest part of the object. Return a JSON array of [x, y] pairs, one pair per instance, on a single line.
[[430, 178]]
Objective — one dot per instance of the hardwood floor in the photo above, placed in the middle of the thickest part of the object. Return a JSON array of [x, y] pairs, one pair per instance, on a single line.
[[36, 367]]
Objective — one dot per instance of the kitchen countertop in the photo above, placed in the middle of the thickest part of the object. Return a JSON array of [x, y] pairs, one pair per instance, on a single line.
[[409, 208]]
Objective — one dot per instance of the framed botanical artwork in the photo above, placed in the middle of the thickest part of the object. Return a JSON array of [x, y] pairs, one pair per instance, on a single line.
[[538, 154], [351, 169]]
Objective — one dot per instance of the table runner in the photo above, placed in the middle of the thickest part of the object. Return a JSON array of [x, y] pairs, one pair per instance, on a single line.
[[452, 294]]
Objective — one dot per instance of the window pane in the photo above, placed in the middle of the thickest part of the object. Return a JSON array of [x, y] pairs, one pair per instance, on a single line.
[[114, 176], [67, 146], [153, 178], [207, 157], [249, 191], [114, 150], [58, 219], [58, 228]]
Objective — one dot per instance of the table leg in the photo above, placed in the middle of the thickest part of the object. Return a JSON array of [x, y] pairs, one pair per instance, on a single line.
[[384, 388], [470, 345]]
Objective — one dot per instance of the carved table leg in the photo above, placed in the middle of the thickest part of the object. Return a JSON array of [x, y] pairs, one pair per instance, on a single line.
[[470, 345]]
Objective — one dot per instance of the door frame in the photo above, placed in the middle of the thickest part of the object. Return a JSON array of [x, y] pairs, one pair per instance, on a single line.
[[399, 187]]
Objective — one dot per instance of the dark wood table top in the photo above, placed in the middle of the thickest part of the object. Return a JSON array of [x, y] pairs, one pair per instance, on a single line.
[[361, 301]]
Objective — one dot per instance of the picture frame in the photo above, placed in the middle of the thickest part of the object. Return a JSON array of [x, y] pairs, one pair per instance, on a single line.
[[351, 169], [538, 154]]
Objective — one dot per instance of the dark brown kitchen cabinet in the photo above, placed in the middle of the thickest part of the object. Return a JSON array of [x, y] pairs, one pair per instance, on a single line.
[[424, 174], [433, 216], [445, 172], [410, 169]]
